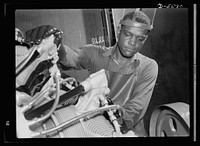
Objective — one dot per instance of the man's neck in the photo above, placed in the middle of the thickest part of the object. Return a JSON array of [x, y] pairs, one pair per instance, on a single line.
[[121, 60]]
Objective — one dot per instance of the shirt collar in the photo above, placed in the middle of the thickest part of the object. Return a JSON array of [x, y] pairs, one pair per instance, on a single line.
[[110, 50]]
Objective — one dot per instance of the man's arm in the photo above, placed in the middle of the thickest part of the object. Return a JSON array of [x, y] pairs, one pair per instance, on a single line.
[[79, 58], [135, 108], [69, 57]]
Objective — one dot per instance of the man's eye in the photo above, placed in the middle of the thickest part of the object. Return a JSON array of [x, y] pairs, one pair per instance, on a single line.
[[141, 38], [127, 34]]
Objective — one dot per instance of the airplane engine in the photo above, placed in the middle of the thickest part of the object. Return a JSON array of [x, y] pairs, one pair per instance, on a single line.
[[49, 106]]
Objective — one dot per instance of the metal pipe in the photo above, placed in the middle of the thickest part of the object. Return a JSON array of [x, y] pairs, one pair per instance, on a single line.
[[35, 99], [40, 95], [113, 118], [54, 105], [21, 66], [76, 119]]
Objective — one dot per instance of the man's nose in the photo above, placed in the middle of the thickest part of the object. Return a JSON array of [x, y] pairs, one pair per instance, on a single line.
[[132, 41]]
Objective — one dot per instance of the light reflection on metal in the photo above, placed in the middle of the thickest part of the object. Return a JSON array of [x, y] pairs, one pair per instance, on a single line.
[[170, 120]]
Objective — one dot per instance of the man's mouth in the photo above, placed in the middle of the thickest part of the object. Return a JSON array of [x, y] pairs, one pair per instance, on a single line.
[[130, 50]]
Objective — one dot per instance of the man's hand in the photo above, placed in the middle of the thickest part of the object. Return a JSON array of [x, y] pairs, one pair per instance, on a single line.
[[91, 100]]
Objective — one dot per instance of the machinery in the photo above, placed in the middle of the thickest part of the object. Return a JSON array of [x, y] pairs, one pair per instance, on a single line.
[[170, 120], [48, 105]]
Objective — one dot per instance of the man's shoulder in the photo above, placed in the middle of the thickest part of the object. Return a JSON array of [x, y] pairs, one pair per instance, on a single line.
[[147, 61], [145, 58], [98, 48]]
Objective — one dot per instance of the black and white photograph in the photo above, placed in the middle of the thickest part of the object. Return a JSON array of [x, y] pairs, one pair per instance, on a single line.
[[103, 73]]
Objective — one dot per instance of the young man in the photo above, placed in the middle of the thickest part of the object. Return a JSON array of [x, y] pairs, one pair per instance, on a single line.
[[133, 86]]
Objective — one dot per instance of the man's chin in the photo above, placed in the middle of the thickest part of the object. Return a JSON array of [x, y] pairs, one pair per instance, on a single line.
[[127, 54]]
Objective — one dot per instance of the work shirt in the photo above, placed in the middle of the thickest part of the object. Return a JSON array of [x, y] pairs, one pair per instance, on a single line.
[[95, 58]]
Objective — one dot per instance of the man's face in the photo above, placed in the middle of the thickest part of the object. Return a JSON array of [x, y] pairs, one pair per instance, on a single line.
[[131, 40]]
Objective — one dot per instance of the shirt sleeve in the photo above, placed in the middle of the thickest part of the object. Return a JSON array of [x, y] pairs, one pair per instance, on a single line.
[[79, 58], [137, 104]]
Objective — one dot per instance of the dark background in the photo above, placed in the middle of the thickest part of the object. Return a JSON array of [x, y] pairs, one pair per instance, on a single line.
[[169, 45]]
